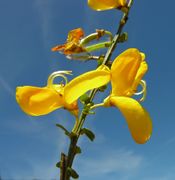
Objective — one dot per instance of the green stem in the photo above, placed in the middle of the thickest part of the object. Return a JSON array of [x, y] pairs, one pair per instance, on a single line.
[[123, 21], [108, 56], [95, 47], [74, 130], [96, 106], [94, 36], [74, 138]]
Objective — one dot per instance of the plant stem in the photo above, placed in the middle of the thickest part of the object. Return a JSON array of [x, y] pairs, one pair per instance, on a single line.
[[95, 36], [74, 138], [96, 105], [63, 166], [98, 46]]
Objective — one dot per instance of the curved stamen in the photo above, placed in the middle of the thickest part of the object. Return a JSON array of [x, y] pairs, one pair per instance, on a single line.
[[95, 36], [143, 91], [57, 74], [82, 57]]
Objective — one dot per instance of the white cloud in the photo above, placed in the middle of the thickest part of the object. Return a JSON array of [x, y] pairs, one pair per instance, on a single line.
[[37, 167], [110, 161], [38, 131], [166, 176]]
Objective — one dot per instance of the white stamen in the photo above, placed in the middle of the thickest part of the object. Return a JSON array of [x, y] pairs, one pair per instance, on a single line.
[[143, 91], [57, 74]]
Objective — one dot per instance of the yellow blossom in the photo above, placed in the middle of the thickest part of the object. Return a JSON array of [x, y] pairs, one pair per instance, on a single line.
[[101, 5], [126, 74], [38, 101]]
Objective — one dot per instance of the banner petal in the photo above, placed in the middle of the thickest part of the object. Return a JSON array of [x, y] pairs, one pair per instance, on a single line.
[[85, 82]]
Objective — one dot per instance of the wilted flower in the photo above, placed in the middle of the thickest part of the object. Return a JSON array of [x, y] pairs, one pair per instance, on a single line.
[[72, 44]]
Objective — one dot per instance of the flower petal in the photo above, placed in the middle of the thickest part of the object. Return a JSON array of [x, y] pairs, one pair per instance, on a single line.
[[138, 119], [124, 70], [85, 82], [140, 73], [38, 101], [101, 5]]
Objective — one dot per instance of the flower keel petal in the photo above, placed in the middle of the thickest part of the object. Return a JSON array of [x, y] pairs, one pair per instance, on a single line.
[[138, 119]]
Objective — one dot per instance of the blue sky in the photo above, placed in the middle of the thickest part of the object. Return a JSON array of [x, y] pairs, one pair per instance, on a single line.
[[30, 146]]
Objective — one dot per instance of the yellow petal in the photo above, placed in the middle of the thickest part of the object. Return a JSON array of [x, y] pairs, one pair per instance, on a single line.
[[138, 119], [140, 73], [124, 70], [38, 101], [85, 82], [101, 5]]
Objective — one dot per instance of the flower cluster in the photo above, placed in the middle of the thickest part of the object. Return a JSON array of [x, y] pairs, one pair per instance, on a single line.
[[124, 75]]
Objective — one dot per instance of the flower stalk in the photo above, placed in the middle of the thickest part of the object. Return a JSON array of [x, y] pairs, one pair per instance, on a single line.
[[64, 173], [125, 74]]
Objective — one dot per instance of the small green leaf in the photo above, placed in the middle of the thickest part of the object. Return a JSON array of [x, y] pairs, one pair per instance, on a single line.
[[88, 133], [91, 112], [78, 150], [58, 164], [64, 129], [72, 173], [123, 37], [84, 99], [100, 60]]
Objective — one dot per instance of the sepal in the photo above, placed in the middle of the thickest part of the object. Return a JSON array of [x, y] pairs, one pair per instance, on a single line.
[[84, 99], [58, 164], [123, 37], [78, 150], [72, 173], [88, 133], [67, 133]]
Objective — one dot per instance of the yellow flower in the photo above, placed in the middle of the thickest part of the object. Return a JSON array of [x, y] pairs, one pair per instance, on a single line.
[[101, 5], [72, 44], [38, 101], [126, 74]]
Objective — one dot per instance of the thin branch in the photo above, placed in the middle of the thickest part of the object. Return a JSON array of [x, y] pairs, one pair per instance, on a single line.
[[62, 166], [74, 139]]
